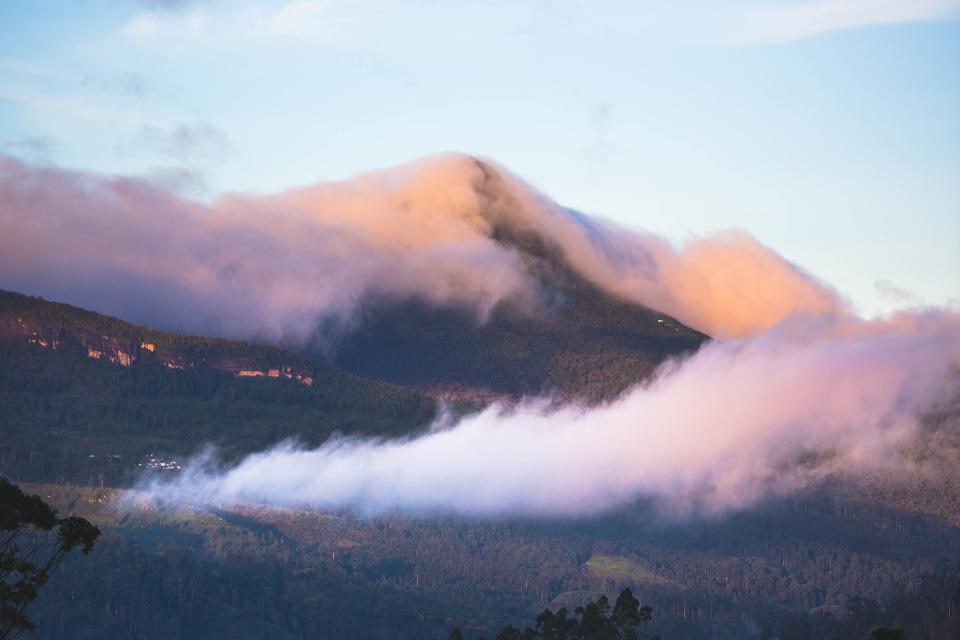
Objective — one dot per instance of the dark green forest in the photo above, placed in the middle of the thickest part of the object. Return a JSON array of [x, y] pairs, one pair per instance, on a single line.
[[810, 568], [70, 418]]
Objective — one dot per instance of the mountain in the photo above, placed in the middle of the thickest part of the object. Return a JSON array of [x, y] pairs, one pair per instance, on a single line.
[[449, 275], [90, 398], [583, 343], [578, 340]]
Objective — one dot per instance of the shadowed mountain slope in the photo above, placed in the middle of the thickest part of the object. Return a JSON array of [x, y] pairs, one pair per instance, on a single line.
[[581, 343]]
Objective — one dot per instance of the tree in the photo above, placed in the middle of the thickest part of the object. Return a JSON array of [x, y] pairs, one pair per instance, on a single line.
[[456, 634], [33, 543], [887, 633], [628, 614], [596, 621], [510, 633]]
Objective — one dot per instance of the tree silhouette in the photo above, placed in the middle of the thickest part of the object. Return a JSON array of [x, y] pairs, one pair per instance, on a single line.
[[596, 621], [33, 543]]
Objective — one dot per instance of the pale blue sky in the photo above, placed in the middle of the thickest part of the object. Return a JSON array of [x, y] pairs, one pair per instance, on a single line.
[[830, 129]]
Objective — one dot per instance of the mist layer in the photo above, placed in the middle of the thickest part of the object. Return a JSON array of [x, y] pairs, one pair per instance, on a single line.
[[737, 422]]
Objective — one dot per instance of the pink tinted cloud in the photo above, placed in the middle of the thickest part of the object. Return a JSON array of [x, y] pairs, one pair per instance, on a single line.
[[273, 266]]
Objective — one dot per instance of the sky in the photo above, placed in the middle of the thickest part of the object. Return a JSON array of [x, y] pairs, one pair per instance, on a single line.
[[828, 129]]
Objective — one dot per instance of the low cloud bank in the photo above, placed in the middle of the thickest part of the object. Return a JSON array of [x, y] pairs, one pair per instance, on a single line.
[[279, 266], [795, 389], [738, 421]]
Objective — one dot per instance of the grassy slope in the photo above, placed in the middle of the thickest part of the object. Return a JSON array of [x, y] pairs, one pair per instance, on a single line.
[[626, 570]]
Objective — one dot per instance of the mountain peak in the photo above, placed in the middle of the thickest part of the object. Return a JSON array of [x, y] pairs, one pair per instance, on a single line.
[[452, 231]]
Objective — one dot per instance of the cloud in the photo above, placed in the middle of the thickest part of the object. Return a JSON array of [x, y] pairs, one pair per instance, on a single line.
[[204, 26], [897, 295], [178, 180], [277, 266], [367, 25], [199, 142], [601, 148], [249, 266], [168, 4], [784, 22], [734, 424], [34, 148], [132, 85], [306, 18], [180, 27]]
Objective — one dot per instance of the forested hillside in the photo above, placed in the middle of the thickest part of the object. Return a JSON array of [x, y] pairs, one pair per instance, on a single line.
[[71, 417], [91, 399], [582, 344], [799, 568], [827, 563]]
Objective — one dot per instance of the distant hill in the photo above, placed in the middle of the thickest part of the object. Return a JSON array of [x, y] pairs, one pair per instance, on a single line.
[[88, 398], [48, 324]]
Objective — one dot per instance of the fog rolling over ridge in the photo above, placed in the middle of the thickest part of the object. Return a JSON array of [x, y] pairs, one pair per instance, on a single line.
[[795, 387], [449, 229], [737, 422]]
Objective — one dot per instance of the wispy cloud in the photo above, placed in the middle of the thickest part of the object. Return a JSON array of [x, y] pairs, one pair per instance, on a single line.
[[602, 146], [75, 107], [210, 26], [785, 22], [204, 26], [29, 68], [34, 148], [170, 5], [306, 18], [129, 84], [897, 295], [183, 142]]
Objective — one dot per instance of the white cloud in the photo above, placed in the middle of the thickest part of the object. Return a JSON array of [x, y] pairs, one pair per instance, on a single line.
[[746, 21], [797, 20], [732, 425], [206, 26], [307, 18], [152, 26]]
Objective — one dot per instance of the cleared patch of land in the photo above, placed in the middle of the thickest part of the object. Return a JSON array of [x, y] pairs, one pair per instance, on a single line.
[[623, 568]]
